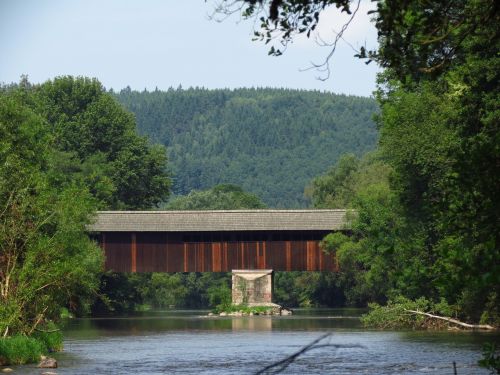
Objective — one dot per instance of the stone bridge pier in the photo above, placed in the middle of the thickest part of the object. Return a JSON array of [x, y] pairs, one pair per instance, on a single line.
[[252, 287]]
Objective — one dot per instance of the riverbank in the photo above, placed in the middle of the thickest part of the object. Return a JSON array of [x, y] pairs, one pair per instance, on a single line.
[[20, 349]]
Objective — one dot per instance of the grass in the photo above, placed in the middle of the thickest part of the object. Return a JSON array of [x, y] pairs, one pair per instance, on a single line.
[[20, 349]]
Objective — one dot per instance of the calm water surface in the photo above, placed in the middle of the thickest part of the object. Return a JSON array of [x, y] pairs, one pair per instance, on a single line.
[[189, 342]]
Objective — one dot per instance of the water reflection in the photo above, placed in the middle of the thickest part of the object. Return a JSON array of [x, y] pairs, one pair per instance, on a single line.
[[252, 324], [166, 321], [191, 342]]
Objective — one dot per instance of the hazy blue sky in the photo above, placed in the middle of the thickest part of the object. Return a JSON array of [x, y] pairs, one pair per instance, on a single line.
[[160, 43]]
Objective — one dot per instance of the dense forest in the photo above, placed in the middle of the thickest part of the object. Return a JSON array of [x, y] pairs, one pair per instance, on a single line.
[[271, 142]]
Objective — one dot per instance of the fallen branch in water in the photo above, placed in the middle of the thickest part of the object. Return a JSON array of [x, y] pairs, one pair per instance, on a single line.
[[453, 321], [280, 366]]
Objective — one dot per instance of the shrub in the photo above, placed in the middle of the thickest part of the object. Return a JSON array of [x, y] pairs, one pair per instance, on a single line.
[[396, 315], [18, 350], [50, 338]]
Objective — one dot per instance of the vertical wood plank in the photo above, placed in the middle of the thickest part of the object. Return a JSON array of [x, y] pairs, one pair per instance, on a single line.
[[308, 257], [201, 267], [216, 256], [242, 264], [320, 256], [146, 252], [133, 252], [288, 247], [185, 257], [225, 267], [103, 246], [312, 256], [264, 254]]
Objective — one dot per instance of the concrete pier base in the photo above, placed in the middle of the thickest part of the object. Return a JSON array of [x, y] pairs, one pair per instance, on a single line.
[[252, 287]]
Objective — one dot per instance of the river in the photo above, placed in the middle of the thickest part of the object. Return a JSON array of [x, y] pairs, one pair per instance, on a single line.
[[189, 342]]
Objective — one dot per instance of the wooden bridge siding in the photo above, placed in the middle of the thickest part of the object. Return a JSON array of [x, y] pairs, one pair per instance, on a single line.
[[117, 250], [167, 252], [276, 255], [150, 252], [175, 257]]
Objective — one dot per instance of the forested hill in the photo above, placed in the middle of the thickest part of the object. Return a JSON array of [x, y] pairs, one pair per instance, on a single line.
[[271, 142]]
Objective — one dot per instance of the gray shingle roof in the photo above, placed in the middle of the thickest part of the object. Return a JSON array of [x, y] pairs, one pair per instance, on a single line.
[[237, 220]]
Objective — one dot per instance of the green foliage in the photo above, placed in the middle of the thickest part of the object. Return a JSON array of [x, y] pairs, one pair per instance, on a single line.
[[95, 144], [395, 314], [491, 312], [244, 309], [271, 142], [343, 182], [280, 21], [414, 42], [219, 296], [491, 358], [66, 148], [65, 313], [308, 289], [220, 197], [416, 45], [335, 189], [442, 161], [164, 290], [18, 350], [121, 293], [50, 337], [417, 231], [205, 287], [365, 255], [46, 256], [429, 227]]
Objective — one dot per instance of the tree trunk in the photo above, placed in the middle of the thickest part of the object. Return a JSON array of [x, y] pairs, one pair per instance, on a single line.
[[453, 321]]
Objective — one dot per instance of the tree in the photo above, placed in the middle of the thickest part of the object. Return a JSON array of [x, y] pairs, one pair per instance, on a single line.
[[69, 148], [97, 144], [443, 164], [46, 257], [220, 197], [335, 189], [417, 39], [435, 223], [340, 185]]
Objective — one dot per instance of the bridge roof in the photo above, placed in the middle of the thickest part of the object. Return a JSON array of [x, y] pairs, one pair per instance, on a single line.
[[219, 221]]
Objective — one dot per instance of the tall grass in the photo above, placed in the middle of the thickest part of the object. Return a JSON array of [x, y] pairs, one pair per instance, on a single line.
[[19, 349]]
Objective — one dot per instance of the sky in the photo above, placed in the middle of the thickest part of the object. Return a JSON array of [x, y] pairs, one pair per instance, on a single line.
[[148, 44]]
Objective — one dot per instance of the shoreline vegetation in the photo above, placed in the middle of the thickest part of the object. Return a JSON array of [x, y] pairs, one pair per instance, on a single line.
[[420, 314], [250, 310], [21, 349]]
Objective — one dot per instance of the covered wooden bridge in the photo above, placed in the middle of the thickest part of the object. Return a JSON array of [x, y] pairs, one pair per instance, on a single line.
[[216, 241]]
